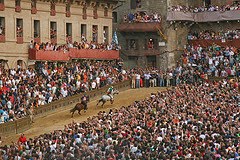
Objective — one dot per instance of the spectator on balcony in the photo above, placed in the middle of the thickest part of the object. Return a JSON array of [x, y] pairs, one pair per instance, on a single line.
[[1, 30], [150, 44], [19, 31]]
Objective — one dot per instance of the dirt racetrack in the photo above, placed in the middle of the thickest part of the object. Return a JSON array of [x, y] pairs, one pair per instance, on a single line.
[[55, 121]]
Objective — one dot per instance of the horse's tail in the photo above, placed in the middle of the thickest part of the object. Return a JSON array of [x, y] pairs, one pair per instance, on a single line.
[[72, 110]]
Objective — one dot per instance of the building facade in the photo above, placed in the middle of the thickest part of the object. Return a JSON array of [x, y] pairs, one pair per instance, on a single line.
[[169, 36], [56, 21]]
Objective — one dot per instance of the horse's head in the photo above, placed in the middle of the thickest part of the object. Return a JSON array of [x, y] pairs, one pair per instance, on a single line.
[[115, 92]]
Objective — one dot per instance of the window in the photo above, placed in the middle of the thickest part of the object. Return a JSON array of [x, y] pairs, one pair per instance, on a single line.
[[132, 44], [95, 33], [68, 32], [135, 4], [52, 8], [68, 11], [2, 26], [33, 4], [114, 15], [19, 27], [53, 30], [151, 61], [105, 11], [83, 32], [207, 3], [18, 5], [2, 7], [36, 29], [84, 12], [105, 34], [95, 14], [17, 2]]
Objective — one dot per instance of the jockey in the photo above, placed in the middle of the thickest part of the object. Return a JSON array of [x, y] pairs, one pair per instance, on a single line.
[[109, 92], [84, 101]]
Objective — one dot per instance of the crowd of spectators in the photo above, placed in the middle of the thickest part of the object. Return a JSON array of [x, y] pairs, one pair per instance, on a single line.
[[23, 89], [212, 35], [211, 8], [172, 124], [141, 17], [213, 60], [48, 46]]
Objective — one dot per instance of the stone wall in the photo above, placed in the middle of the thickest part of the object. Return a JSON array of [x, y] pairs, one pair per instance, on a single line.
[[12, 52]]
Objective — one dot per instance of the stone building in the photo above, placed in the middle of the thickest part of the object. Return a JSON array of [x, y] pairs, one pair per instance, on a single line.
[[169, 36], [57, 21]]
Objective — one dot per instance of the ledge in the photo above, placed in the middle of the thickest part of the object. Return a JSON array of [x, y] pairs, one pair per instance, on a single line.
[[203, 16], [139, 27]]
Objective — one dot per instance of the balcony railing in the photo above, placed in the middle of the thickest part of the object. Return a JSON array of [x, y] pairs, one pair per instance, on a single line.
[[203, 16], [54, 40], [18, 9], [37, 40], [2, 38], [140, 27], [68, 14], [53, 13], [19, 40], [34, 10], [207, 43], [2, 7], [73, 54], [148, 52]]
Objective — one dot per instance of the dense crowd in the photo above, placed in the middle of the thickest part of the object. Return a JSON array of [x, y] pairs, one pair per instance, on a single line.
[[196, 62], [22, 89], [212, 35], [83, 44], [211, 8], [173, 124], [141, 17]]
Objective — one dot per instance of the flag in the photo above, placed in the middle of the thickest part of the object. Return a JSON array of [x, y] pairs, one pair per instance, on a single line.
[[115, 38]]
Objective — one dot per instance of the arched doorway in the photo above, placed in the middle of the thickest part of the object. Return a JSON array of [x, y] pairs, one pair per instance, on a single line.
[[4, 64], [20, 64]]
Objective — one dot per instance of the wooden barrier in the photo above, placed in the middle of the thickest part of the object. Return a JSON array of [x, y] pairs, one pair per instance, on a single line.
[[62, 103], [17, 126], [24, 124]]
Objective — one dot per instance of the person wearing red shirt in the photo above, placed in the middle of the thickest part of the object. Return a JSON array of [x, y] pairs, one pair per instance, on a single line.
[[22, 139]]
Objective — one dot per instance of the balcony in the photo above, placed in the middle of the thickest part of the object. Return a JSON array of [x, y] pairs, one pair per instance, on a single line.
[[68, 14], [93, 54], [207, 43], [18, 9], [147, 52], [19, 40], [37, 40], [52, 13], [203, 16], [2, 38], [34, 10], [139, 27], [54, 40], [73, 54], [2, 7]]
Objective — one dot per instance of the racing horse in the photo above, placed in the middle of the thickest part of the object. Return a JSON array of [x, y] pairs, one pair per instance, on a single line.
[[107, 97], [79, 107]]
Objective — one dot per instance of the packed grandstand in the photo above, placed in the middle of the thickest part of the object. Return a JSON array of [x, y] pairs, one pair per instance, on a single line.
[[194, 115]]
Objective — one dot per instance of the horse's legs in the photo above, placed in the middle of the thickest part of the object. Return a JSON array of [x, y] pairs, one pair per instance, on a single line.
[[72, 113], [103, 102], [112, 101], [79, 112], [99, 102]]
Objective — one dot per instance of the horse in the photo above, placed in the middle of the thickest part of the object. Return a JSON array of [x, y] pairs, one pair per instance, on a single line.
[[109, 97], [80, 106]]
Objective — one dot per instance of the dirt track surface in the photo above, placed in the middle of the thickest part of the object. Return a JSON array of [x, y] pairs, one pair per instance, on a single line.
[[56, 121]]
